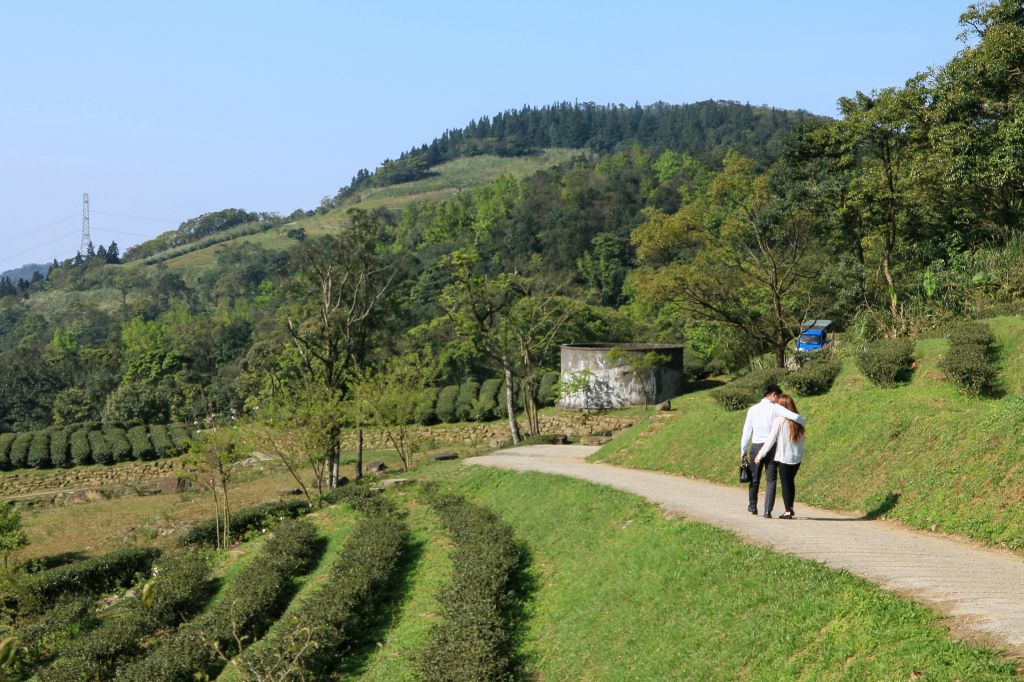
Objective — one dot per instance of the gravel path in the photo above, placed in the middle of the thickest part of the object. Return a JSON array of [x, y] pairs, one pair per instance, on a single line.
[[979, 588]]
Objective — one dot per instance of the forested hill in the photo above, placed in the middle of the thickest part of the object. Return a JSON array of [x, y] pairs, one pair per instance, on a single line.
[[705, 130]]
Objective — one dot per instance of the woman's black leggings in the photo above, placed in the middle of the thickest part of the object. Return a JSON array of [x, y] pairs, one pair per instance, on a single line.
[[787, 479]]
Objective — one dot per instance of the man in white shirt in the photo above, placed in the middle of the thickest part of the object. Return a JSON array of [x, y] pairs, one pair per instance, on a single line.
[[756, 430]]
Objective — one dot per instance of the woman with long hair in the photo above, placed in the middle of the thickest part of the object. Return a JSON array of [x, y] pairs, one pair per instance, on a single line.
[[788, 437]]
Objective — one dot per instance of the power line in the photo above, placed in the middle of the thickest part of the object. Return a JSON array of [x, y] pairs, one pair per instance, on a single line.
[[11, 257], [135, 217], [129, 234]]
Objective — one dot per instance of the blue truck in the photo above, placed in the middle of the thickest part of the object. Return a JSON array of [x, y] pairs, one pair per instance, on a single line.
[[813, 336]]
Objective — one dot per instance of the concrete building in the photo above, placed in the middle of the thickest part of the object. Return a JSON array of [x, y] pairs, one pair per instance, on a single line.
[[613, 374]]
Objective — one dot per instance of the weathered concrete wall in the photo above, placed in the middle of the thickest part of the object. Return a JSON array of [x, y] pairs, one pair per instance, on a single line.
[[614, 383]]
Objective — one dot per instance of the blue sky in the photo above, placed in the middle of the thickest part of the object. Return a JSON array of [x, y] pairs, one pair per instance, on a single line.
[[165, 111]]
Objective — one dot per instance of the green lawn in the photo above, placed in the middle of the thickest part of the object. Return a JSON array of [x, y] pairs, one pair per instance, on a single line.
[[920, 453], [619, 592]]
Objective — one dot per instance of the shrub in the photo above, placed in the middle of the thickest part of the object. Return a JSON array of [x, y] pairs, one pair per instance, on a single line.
[[465, 410], [181, 436], [306, 643], [249, 605], [547, 395], [814, 377], [81, 451], [748, 389], [425, 413], [19, 449], [6, 439], [101, 452], [60, 448], [120, 448], [474, 639], [446, 404], [971, 334], [258, 517], [489, 398], [39, 450], [969, 366], [180, 588], [95, 575], [163, 446], [142, 448], [500, 409], [887, 361]]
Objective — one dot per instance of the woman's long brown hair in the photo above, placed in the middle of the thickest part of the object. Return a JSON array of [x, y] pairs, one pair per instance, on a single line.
[[796, 431]]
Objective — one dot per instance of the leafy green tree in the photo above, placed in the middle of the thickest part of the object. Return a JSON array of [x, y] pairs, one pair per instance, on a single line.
[[390, 399], [344, 287], [739, 256]]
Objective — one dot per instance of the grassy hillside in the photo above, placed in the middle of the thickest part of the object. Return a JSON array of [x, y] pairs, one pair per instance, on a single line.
[[921, 453], [446, 180]]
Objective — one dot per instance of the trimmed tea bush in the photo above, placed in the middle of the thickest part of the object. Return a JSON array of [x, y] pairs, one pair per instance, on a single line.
[[814, 377], [306, 644], [474, 639], [180, 435], [500, 408], [60, 448], [142, 448], [970, 360], [181, 587], [445, 407], [81, 451], [101, 452], [163, 446], [887, 361], [469, 391], [547, 395], [95, 575], [489, 397], [971, 334], [6, 439], [259, 517], [425, 413], [39, 451], [743, 392], [251, 603], [19, 450], [120, 448]]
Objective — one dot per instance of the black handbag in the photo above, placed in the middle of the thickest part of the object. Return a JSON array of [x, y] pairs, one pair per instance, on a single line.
[[745, 474]]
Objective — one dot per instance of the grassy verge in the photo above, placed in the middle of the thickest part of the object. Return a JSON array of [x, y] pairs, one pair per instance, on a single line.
[[624, 593], [920, 453]]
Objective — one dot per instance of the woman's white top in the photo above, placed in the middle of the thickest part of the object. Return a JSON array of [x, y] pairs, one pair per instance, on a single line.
[[786, 450]]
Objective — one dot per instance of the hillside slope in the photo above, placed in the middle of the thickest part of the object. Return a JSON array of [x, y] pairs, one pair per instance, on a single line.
[[920, 453]]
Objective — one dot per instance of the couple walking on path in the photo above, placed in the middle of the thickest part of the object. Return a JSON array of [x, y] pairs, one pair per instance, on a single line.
[[773, 435]]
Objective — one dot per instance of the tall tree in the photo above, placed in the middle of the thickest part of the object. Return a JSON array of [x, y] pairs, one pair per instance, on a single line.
[[739, 255], [344, 287]]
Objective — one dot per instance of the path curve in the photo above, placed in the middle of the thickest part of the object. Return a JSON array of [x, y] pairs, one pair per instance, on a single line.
[[978, 587]]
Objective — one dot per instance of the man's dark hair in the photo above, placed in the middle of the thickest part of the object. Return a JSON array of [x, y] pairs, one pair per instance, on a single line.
[[772, 390]]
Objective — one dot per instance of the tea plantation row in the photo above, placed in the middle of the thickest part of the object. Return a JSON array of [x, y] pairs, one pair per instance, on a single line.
[[80, 444]]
